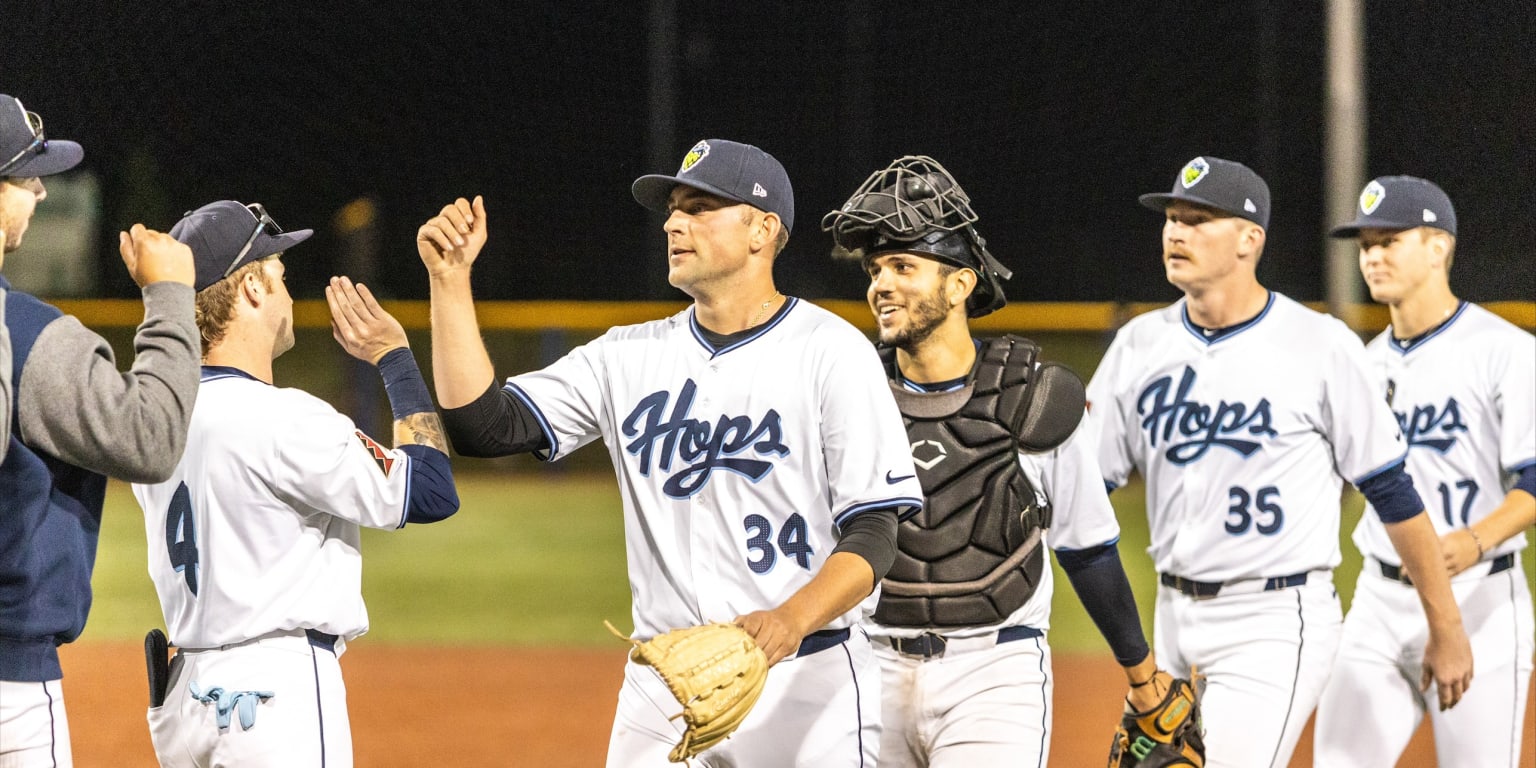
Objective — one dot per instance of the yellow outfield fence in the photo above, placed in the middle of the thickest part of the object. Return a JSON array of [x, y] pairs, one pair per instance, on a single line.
[[1067, 316]]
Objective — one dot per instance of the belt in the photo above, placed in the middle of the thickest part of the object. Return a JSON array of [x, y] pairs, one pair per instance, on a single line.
[[323, 640], [1501, 563], [1207, 589], [929, 645], [316, 638], [820, 641]]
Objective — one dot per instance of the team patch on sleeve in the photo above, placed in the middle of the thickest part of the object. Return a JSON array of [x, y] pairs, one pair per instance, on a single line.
[[378, 452]]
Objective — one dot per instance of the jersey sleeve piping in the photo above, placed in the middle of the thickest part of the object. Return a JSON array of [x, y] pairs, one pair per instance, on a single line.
[[905, 507], [405, 503], [1110, 543], [538, 415], [1521, 467], [1397, 462]]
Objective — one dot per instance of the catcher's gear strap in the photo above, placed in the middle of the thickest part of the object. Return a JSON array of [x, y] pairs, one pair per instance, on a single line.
[[962, 588], [494, 424]]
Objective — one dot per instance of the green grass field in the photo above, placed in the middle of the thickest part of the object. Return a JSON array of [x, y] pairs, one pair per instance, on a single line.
[[533, 557]]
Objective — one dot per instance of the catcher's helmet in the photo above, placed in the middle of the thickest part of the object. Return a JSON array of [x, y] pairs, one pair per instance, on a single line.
[[915, 206]]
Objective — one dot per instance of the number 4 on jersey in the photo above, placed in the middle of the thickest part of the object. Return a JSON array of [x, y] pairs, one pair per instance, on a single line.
[[181, 536]]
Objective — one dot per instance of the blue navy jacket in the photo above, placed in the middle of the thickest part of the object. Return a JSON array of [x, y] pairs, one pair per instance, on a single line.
[[74, 420]]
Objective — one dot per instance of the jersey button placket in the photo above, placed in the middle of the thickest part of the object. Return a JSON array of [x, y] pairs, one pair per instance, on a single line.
[[703, 565], [1202, 512]]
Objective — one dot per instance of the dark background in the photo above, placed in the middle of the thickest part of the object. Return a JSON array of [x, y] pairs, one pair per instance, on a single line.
[[1053, 115]]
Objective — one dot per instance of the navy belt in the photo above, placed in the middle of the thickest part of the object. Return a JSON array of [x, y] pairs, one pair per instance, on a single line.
[[820, 641], [1501, 563], [929, 645], [1204, 589], [321, 639]]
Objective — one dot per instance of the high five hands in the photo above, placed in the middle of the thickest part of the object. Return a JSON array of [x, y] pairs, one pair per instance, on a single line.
[[451, 240]]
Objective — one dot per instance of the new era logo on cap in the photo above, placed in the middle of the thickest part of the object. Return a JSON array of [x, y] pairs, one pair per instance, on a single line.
[[1400, 202], [728, 169]]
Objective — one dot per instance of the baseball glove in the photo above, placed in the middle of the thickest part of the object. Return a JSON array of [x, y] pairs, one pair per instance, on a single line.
[[1169, 734], [716, 671]]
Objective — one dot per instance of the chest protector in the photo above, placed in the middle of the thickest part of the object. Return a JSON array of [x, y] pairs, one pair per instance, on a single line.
[[972, 556]]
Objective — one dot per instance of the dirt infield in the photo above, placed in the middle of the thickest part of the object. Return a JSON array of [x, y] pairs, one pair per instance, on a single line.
[[414, 707]]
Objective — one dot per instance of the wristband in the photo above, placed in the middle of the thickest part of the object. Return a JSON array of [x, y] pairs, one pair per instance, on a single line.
[[1477, 541], [403, 383]]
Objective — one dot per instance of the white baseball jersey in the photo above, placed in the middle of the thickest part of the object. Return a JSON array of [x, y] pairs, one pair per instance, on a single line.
[[1242, 440], [735, 465], [1465, 395], [257, 530], [1068, 478]]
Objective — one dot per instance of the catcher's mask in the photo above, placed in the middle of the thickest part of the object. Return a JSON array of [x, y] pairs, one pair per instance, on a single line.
[[915, 206]]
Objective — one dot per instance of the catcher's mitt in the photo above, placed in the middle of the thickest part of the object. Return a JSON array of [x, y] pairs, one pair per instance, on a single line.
[[716, 671], [1169, 734]]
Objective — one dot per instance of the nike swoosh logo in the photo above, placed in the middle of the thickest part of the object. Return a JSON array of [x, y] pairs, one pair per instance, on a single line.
[[894, 480]]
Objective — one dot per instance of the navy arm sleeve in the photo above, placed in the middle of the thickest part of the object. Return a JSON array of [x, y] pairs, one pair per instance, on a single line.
[[433, 496], [494, 424], [1391, 494], [872, 536], [1526, 481], [1099, 580]]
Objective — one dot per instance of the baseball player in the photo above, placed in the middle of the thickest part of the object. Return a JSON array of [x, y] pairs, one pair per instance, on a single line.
[[1242, 409], [960, 629], [759, 455], [253, 541], [1462, 382], [5, 381], [72, 419]]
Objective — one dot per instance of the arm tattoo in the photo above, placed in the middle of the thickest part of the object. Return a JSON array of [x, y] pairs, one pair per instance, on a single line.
[[421, 429]]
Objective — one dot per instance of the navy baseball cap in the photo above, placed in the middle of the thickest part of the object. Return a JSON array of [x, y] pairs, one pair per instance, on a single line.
[[25, 150], [1400, 202], [1221, 184], [227, 235], [727, 169]]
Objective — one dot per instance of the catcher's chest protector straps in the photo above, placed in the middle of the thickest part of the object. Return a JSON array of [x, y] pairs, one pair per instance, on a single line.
[[973, 555]]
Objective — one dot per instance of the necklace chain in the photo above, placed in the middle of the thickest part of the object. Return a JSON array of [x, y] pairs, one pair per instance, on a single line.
[[763, 310]]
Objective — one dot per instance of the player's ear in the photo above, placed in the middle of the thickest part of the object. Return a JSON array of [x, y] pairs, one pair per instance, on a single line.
[[960, 284], [252, 287], [1439, 246], [765, 231], [1252, 241]]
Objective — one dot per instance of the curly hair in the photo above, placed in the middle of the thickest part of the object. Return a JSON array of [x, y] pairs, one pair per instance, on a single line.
[[216, 303]]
